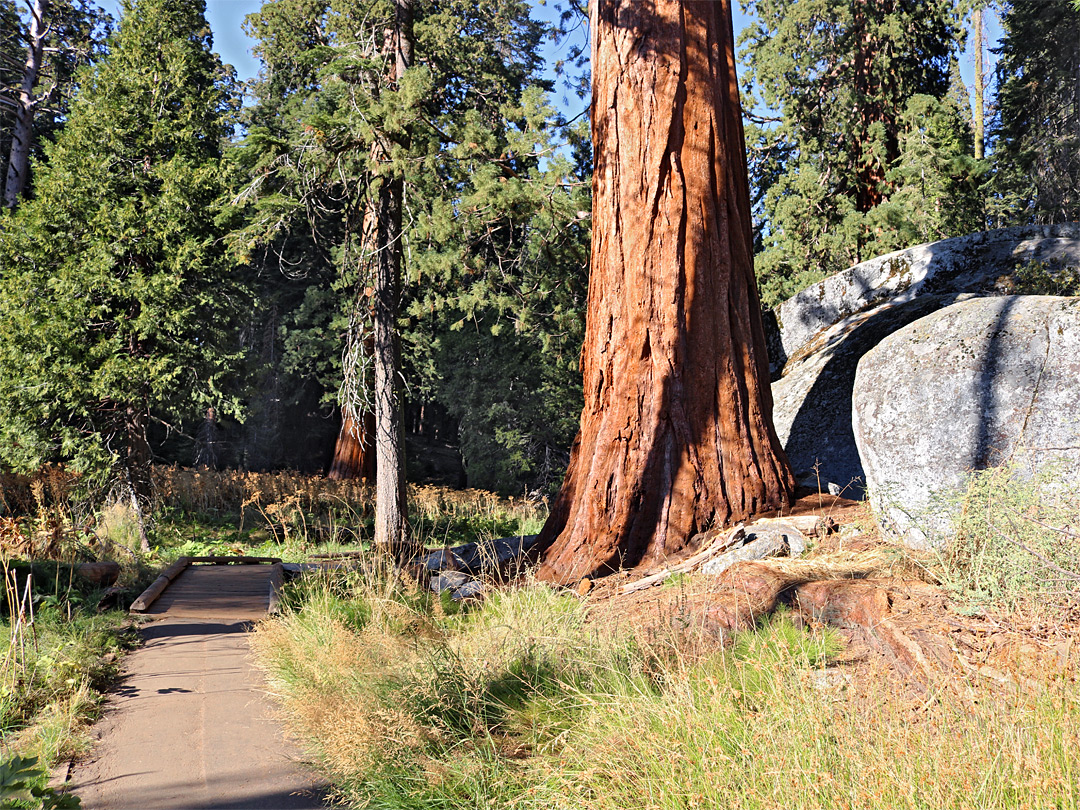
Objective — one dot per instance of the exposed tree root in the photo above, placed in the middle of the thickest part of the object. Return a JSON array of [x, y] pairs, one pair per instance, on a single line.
[[877, 598]]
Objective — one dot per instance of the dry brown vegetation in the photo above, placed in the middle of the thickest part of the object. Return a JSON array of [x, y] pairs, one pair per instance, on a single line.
[[538, 699], [237, 491], [865, 683]]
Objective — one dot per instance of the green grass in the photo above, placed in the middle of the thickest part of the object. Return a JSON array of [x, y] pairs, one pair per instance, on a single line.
[[53, 673], [54, 670], [522, 703]]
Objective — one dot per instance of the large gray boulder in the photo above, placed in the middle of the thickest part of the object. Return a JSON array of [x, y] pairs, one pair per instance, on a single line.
[[979, 383], [812, 401], [822, 332], [965, 264]]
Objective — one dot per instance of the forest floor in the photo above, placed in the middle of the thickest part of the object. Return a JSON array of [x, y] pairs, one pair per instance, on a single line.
[[897, 623], [859, 674]]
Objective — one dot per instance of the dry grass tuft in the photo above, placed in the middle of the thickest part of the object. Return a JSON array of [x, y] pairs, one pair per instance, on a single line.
[[881, 560], [522, 703]]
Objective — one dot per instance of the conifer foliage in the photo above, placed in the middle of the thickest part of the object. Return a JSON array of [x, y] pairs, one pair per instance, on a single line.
[[859, 110], [116, 297], [1036, 126], [39, 57], [494, 218]]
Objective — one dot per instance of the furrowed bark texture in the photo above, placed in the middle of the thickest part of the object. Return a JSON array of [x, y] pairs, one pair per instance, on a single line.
[[676, 433], [391, 525], [390, 504], [354, 453]]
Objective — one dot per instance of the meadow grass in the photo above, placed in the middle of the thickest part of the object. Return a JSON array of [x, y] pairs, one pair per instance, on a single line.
[[52, 676], [521, 702], [289, 515], [412, 701], [53, 670]]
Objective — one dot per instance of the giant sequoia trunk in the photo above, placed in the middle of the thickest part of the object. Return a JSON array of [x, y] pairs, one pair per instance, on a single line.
[[870, 188], [676, 433]]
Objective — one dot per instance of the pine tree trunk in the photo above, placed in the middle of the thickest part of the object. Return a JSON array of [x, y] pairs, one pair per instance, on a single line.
[[354, 453], [676, 433], [391, 525], [977, 110], [23, 131]]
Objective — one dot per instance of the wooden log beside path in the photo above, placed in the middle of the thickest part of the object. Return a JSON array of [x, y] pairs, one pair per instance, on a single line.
[[147, 597]]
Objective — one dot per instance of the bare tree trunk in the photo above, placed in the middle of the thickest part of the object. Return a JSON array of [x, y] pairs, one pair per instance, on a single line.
[[22, 134], [354, 453], [977, 112], [676, 433], [137, 469], [391, 508]]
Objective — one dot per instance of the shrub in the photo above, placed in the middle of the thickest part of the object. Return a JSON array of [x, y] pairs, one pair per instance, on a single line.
[[1016, 541]]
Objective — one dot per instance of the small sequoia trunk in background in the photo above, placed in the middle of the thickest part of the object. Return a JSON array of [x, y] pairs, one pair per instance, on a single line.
[[354, 453], [676, 433]]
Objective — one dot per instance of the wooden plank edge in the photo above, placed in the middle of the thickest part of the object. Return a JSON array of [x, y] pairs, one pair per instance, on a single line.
[[147, 597], [277, 581], [242, 560]]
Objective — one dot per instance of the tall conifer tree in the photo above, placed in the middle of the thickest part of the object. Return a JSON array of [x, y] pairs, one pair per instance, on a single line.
[[839, 76], [38, 63], [466, 129], [116, 298], [1036, 125]]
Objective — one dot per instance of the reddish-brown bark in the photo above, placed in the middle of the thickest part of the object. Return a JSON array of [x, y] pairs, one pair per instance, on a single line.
[[676, 433], [354, 453]]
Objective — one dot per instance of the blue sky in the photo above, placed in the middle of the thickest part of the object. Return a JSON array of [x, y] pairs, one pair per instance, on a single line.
[[226, 16]]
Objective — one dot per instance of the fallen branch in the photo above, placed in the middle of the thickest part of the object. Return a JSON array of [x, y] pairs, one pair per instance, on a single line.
[[810, 525], [147, 597], [774, 535], [218, 559], [725, 541], [770, 545]]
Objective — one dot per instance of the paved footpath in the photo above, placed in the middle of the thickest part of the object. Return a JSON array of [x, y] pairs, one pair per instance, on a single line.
[[190, 727]]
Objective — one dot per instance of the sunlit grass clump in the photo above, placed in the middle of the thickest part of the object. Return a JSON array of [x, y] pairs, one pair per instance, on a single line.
[[54, 665], [522, 703]]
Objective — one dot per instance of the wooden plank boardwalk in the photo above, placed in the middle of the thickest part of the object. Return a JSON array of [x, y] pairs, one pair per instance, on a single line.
[[205, 592]]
